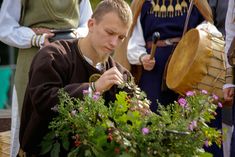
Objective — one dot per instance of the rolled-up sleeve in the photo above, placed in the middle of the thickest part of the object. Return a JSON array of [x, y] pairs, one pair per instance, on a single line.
[[136, 45]]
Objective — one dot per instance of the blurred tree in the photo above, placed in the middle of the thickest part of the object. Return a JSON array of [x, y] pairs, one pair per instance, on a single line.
[[95, 2]]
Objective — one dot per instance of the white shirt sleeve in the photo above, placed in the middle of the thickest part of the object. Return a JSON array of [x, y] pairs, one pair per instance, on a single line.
[[11, 32], [19, 36], [136, 45], [85, 15]]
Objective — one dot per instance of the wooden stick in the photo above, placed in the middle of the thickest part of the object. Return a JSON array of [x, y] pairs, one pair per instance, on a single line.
[[155, 38]]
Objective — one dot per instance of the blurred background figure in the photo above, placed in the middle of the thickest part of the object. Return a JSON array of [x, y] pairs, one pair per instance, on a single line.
[[219, 10], [229, 49]]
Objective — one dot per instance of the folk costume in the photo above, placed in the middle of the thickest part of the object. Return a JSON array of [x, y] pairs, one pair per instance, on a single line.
[[65, 67], [170, 24], [168, 18], [16, 23]]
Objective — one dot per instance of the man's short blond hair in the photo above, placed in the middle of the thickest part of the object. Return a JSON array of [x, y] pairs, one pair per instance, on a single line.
[[121, 7]]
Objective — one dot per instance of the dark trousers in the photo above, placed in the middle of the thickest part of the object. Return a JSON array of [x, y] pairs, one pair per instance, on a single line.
[[232, 150]]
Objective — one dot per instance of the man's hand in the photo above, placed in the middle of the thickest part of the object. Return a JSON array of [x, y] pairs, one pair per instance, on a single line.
[[228, 95], [108, 79], [46, 34], [148, 63], [210, 28]]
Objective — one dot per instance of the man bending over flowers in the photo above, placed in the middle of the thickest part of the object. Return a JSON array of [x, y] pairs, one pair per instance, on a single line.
[[75, 65]]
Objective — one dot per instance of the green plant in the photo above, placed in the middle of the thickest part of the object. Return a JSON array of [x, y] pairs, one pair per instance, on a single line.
[[127, 127]]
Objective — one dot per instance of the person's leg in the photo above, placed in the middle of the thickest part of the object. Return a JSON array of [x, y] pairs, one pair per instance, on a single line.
[[24, 60], [15, 124], [232, 150], [227, 122], [227, 141]]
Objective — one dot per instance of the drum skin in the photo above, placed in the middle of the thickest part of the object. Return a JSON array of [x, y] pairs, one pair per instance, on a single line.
[[197, 64]]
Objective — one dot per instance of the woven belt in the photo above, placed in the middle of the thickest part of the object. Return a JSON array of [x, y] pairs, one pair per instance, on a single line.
[[163, 43]]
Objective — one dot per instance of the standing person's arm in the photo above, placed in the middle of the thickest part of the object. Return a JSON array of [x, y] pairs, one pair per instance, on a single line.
[[136, 45], [11, 32], [137, 53], [85, 15], [230, 34], [230, 24]]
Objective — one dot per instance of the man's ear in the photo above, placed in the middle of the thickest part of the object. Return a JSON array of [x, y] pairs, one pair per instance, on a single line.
[[90, 24]]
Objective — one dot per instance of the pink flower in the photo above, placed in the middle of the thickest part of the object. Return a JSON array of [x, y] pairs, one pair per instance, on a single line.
[[192, 125], [85, 92], [182, 102], [96, 96], [206, 143], [220, 104], [97, 93], [215, 97], [204, 92], [145, 131], [190, 93]]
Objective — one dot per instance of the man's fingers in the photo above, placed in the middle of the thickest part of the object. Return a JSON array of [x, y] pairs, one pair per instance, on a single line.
[[114, 72], [231, 93]]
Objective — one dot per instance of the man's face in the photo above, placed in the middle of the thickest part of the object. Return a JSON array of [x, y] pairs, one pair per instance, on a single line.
[[107, 34]]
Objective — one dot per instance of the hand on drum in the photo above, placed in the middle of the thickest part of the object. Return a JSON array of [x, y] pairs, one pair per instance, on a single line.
[[147, 63], [210, 28], [108, 79], [228, 95]]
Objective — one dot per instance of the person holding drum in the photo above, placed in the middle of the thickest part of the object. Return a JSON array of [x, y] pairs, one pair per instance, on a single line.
[[169, 24], [229, 49], [219, 10], [169, 19]]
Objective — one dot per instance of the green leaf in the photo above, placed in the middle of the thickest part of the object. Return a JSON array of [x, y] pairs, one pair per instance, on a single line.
[[205, 154], [131, 128], [65, 142], [46, 147], [55, 150], [124, 154], [74, 153]]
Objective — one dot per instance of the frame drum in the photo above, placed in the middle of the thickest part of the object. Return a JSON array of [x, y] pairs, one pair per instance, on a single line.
[[197, 63]]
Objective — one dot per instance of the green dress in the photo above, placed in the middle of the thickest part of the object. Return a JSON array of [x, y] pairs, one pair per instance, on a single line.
[[51, 14]]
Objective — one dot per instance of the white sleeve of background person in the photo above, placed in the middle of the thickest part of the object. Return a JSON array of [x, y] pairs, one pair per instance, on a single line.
[[229, 27], [11, 32], [136, 45], [85, 15]]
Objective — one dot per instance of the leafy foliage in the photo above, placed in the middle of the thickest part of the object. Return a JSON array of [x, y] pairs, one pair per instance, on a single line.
[[127, 127], [95, 2]]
